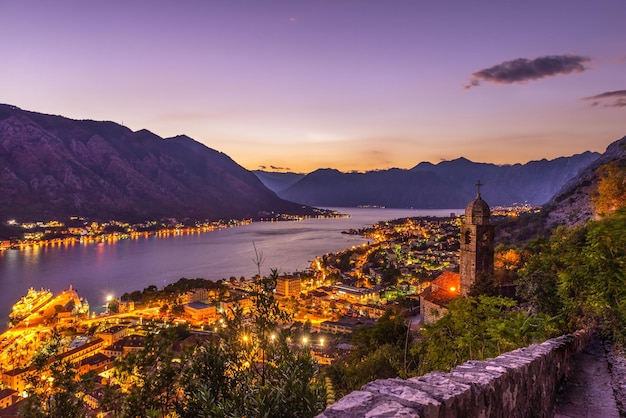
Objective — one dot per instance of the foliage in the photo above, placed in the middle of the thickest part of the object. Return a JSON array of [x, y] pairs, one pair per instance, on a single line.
[[149, 376], [478, 328], [611, 192], [483, 285], [580, 274]]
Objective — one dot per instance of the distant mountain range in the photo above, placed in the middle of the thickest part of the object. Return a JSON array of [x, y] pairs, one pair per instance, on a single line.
[[54, 167], [449, 184]]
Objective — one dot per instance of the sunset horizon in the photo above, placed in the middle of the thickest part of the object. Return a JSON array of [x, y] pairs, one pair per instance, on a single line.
[[354, 86]]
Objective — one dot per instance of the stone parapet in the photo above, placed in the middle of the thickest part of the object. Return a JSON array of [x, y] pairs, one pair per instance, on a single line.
[[520, 383]]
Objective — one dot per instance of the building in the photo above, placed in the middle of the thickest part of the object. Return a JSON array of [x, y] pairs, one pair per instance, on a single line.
[[98, 363], [442, 291], [476, 260], [17, 379], [128, 344], [199, 311], [243, 304], [79, 353], [113, 334], [287, 286], [195, 295], [354, 294], [7, 397], [477, 243], [345, 325]]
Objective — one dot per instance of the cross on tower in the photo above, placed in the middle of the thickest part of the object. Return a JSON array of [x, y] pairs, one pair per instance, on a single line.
[[478, 186]]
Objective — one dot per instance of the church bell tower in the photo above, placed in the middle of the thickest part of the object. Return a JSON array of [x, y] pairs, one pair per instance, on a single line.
[[477, 242]]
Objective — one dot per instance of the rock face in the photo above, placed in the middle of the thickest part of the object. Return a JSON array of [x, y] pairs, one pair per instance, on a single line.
[[54, 167], [449, 184], [520, 383], [571, 205]]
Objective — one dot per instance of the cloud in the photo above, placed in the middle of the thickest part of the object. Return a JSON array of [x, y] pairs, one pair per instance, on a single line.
[[277, 168], [615, 98], [274, 168], [521, 70]]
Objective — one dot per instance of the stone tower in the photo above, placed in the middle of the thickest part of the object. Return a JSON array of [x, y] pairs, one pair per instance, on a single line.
[[477, 236]]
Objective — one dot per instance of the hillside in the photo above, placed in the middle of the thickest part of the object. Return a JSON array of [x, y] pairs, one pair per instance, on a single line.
[[55, 167], [571, 205], [449, 184]]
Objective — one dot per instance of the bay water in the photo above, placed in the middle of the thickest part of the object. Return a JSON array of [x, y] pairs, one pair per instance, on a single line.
[[96, 270]]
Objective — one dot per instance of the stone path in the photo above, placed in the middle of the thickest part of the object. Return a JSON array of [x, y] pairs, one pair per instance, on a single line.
[[589, 393]]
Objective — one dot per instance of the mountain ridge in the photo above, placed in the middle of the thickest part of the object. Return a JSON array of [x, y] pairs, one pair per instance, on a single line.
[[448, 184], [55, 167]]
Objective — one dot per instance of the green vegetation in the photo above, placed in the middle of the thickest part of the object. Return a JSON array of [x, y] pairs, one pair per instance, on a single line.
[[479, 328], [579, 275]]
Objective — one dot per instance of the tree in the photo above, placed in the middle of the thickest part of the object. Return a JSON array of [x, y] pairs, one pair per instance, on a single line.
[[484, 285], [611, 190], [54, 390], [149, 376]]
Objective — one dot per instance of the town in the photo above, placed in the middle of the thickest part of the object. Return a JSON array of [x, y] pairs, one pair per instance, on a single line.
[[79, 230], [326, 304]]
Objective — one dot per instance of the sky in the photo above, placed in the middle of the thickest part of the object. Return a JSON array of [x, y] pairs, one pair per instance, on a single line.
[[348, 84]]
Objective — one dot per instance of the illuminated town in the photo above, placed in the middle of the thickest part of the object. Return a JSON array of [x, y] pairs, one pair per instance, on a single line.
[[78, 230], [326, 303]]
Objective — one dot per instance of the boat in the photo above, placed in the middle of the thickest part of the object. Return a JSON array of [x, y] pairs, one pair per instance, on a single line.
[[33, 301]]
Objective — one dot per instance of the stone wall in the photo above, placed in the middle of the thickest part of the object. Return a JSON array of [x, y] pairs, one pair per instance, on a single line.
[[520, 383], [431, 312]]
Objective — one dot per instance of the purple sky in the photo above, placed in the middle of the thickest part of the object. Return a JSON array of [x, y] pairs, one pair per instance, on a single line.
[[353, 85]]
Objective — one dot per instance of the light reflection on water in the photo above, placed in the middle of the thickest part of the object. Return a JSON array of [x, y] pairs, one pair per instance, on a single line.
[[98, 269]]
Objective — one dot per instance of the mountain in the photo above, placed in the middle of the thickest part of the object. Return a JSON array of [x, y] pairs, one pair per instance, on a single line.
[[571, 205], [276, 181], [449, 184], [55, 167]]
